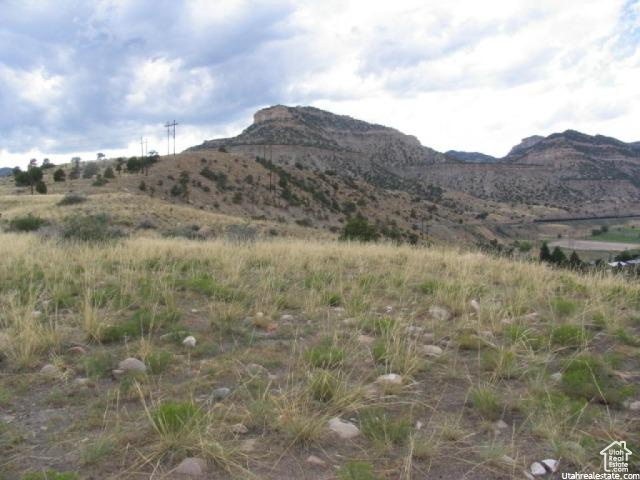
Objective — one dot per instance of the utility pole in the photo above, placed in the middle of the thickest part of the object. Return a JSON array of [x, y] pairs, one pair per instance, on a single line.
[[141, 147], [168, 126]]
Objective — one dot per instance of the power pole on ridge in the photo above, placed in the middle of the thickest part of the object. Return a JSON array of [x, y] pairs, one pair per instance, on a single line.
[[168, 127]]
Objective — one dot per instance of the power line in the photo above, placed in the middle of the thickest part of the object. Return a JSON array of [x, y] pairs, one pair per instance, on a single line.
[[168, 126]]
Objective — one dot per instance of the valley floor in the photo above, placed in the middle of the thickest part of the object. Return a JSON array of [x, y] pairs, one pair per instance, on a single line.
[[497, 364]]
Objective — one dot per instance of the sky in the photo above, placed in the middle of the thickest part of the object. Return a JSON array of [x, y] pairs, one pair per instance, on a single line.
[[81, 77]]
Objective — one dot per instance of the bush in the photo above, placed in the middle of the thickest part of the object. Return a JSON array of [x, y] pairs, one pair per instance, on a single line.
[[100, 181], [90, 228], [359, 229], [71, 199], [28, 223], [41, 187], [108, 173], [59, 175]]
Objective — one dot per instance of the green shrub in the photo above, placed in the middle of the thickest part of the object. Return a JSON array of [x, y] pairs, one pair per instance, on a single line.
[[486, 401], [71, 199], [563, 307], [357, 471], [359, 229], [27, 223], [175, 418], [569, 335], [90, 228], [378, 426], [323, 385], [588, 377], [325, 355]]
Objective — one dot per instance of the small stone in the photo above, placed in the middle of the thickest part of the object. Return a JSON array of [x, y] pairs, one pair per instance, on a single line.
[[82, 382], [36, 314], [551, 464], [344, 430], [366, 339], [132, 365], [634, 406], [475, 305], [317, 461], [432, 350], [239, 428], [286, 318], [439, 313], [538, 469], [530, 317], [192, 466], [194, 310], [390, 379], [500, 425], [506, 321], [221, 393], [248, 445], [507, 460], [190, 341], [339, 309], [419, 425], [77, 350], [388, 309], [350, 321], [556, 377], [117, 373], [259, 314], [50, 370]]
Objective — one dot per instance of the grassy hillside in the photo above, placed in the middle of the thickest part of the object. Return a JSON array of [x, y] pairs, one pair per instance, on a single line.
[[498, 364]]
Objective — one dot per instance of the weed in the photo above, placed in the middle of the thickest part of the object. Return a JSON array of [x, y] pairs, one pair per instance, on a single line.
[[383, 430], [563, 307], [569, 336], [357, 471], [325, 355], [486, 401], [587, 377]]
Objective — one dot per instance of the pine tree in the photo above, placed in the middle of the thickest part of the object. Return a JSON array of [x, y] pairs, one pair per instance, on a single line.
[[575, 261], [558, 257], [545, 254]]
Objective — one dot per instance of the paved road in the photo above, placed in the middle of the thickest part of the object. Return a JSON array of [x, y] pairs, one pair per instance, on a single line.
[[589, 245]]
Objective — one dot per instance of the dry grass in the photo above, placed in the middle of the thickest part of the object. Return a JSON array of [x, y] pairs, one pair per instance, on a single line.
[[257, 310]]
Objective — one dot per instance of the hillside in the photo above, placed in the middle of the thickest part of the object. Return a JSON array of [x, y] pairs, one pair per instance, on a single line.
[[306, 359]]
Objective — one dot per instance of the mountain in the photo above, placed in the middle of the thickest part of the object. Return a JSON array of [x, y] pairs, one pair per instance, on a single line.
[[469, 157], [5, 171], [325, 141]]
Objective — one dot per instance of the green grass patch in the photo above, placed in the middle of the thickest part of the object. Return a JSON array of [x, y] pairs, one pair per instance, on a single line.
[[486, 401], [377, 425], [28, 223], [569, 336], [563, 307], [588, 377], [357, 471], [175, 418], [325, 355]]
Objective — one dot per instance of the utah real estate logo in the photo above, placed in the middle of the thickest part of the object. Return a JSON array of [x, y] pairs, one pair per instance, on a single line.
[[616, 457]]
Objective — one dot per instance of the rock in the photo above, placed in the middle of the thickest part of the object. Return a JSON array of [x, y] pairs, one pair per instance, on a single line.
[[366, 339], [117, 373], [419, 425], [50, 370], [388, 309], [132, 365], [248, 445], [239, 428], [475, 305], [77, 350], [556, 377], [82, 382], [432, 350], [194, 310], [221, 393], [36, 314], [390, 379], [344, 430], [507, 460], [439, 313], [530, 317], [551, 464], [318, 462], [192, 466], [286, 318], [190, 341], [538, 469], [259, 314], [500, 425], [635, 406]]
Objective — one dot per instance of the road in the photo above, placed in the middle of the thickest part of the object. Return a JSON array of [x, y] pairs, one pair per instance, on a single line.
[[589, 245]]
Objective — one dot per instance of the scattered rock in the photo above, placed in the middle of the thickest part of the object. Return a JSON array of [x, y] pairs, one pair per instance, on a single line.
[[635, 406], [313, 460], [366, 339], [239, 428], [192, 466], [439, 313], [221, 393], [50, 370], [259, 314], [344, 430], [286, 318], [190, 341], [419, 425], [475, 305], [117, 373], [500, 425], [390, 379], [194, 310], [36, 314], [388, 309], [538, 469], [77, 350], [248, 445], [551, 464], [132, 365], [432, 350], [556, 377]]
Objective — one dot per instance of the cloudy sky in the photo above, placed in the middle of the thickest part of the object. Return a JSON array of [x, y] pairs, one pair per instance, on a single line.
[[78, 77]]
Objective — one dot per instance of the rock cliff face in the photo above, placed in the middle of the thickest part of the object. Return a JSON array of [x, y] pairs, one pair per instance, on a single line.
[[569, 170]]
